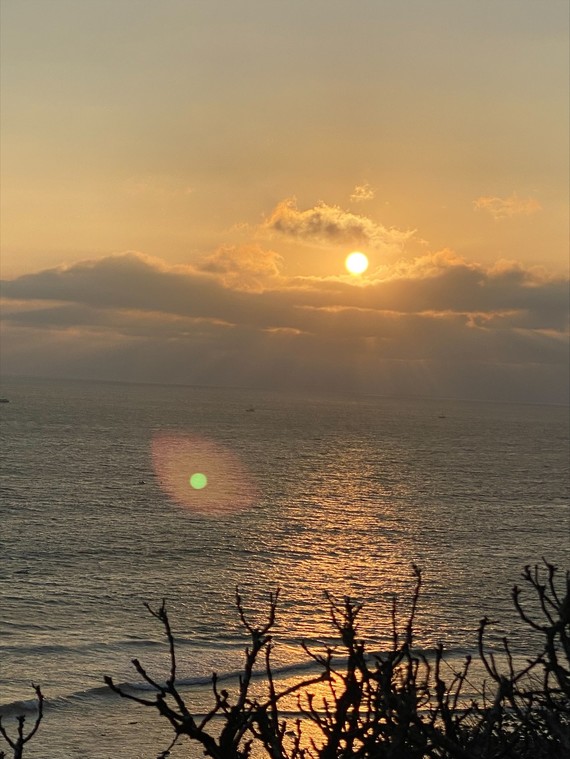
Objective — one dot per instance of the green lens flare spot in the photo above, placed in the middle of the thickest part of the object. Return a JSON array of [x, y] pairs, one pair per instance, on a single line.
[[198, 481]]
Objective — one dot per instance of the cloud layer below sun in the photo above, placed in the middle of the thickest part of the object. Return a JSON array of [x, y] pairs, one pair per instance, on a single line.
[[433, 325]]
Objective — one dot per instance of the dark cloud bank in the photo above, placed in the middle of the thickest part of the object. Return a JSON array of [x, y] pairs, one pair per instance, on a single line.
[[436, 326]]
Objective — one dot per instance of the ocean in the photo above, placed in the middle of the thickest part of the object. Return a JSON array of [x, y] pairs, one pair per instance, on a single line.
[[117, 495]]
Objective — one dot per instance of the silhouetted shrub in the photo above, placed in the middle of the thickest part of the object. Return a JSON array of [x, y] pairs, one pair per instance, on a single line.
[[396, 705], [18, 741], [366, 705]]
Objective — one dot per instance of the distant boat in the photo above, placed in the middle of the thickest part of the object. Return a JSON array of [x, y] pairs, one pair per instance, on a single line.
[[4, 400], [251, 408], [442, 416]]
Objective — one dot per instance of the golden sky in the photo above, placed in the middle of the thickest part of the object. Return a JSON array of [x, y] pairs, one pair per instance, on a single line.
[[182, 182]]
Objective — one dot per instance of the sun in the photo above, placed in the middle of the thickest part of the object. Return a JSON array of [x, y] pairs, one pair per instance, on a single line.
[[356, 263]]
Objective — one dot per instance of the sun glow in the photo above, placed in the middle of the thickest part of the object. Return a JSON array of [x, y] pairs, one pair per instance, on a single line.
[[356, 263]]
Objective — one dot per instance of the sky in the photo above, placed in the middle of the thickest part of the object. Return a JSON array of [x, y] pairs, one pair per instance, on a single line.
[[181, 182]]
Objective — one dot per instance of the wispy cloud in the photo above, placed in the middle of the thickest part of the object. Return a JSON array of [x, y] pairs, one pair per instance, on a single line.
[[331, 225], [362, 192], [243, 267], [504, 208]]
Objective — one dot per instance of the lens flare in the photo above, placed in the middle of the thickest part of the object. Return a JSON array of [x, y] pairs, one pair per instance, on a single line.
[[201, 475], [198, 480]]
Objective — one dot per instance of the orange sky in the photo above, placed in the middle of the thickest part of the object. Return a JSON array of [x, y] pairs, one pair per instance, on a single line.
[[181, 183]]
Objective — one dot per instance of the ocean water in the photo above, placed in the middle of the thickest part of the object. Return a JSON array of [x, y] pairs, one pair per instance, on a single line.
[[304, 493]]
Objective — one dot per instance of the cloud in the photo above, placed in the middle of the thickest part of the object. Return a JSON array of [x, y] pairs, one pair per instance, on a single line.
[[504, 208], [244, 267], [134, 317], [331, 225], [437, 283], [362, 192]]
